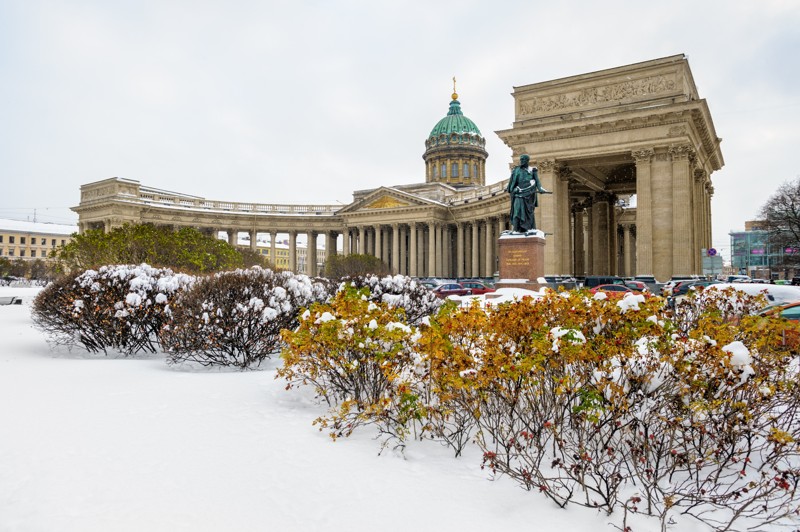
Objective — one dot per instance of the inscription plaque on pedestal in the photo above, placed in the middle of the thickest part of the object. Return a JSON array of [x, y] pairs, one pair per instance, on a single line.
[[521, 261]]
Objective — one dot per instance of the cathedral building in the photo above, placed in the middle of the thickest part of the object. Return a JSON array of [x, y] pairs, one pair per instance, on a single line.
[[628, 153]]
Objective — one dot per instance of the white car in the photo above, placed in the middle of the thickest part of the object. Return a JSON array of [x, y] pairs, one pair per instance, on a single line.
[[776, 293]]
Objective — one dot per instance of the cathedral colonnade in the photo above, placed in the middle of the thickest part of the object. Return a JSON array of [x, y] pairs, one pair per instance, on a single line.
[[627, 153], [424, 248]]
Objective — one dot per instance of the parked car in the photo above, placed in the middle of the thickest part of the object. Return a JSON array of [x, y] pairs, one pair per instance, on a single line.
[[611, 289], [652, 283], [561, 281], [666, 289], [451, 289], [477, 287], [596, 280], [639, 286], [790, 311], [776, 294]]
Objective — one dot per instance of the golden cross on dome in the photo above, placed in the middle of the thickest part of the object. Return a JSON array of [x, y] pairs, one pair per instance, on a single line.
[[455, 95]]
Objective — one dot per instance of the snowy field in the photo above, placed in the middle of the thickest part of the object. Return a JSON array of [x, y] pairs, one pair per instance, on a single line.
[[95, 443]]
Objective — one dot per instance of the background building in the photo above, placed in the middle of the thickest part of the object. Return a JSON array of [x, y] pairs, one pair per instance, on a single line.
[[753, 255], [32, 240]]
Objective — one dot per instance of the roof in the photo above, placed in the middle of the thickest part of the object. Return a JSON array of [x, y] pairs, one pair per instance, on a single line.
[[455, 122], [43, 228]]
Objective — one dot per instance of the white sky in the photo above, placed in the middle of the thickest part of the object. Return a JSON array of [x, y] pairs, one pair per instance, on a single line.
[[306, 101]]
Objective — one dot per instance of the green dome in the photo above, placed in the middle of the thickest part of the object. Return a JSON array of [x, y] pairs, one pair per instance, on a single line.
[[455, 122]]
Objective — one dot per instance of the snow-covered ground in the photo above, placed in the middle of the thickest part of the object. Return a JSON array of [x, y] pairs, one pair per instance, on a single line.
[[96, 443]]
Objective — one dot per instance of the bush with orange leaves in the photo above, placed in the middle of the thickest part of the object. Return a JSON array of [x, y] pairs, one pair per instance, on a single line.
[[598, 402], [611, 404], [357, 354]]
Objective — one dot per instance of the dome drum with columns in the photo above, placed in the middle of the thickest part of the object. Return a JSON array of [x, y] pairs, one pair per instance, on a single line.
[[455, 150], [599, 140]]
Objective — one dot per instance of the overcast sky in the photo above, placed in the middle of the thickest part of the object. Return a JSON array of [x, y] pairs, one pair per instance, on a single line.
[[307, 101]]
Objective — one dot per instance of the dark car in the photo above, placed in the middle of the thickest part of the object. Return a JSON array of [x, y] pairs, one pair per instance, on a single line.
[[476, 287], [682, 288], [590, 281], [451, 289]]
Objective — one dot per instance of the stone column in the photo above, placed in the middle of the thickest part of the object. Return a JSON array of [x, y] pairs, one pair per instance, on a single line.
[[412, 249], [311, 254], [488, 266], [330, 243], [546, 218], [403, 251], [698, 208], [362, 240], [232, 237], [293, 251], [563, 238], [440, 247], [644, 213], [395, 248], [683, 245], [613, 240], [378, 242], [600, 235], [627, 249], [579, 264], [431, 249], [590, 230], [447, 258], [273, 257], [460, 249], [476, 249], [253, 240], [662, 215], [386, 249]]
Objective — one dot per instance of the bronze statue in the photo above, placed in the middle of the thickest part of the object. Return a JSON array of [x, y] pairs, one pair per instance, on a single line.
[[524, 187]]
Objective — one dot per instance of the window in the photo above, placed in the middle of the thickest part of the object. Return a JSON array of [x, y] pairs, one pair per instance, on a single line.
[[11, 240], [10, 252], [22, 240], [466, 169], [455, 170], [475, 170], [1, 239], [435, 171], [444, 170], [44, 241], [63, 242]]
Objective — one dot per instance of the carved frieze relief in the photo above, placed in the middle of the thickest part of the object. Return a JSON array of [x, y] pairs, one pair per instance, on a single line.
[[598, 95]]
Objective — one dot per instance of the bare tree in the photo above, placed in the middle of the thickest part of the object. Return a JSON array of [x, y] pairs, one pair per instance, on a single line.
[[781, 219]]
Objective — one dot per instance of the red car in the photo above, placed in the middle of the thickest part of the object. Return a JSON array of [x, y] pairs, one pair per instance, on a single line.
[[477, 287], [612, 289], [451, 289]]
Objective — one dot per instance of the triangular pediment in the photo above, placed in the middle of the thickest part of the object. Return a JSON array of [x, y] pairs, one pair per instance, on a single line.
[[387, 198]]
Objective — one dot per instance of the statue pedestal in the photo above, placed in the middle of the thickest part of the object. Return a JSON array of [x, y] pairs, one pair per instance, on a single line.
[[521, 261]]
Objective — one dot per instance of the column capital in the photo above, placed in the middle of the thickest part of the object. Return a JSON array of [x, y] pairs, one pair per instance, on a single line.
[[680, 152], [644, 155], [700, 175], [547, 165]]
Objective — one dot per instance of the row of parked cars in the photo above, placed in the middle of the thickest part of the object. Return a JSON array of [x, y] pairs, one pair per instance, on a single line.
[[465, 287]]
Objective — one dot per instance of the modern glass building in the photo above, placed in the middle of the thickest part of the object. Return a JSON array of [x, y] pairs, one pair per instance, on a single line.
[[753, 255]]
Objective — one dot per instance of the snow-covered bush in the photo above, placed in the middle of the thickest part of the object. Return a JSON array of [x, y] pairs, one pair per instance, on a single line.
[[120, 307], [235, 318], [398, 291], [357, 354], [604, 403]]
